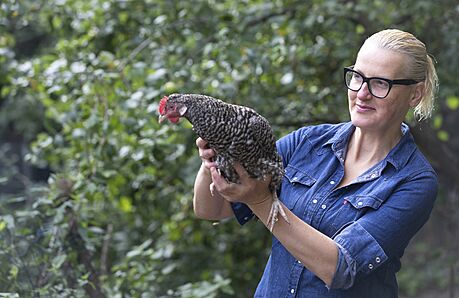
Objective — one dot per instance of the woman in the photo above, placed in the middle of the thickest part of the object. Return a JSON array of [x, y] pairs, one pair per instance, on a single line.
[[355, 193]]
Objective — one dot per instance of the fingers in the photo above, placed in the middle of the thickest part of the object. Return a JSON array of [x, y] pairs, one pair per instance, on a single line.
[[201, 143], [208, 162], [217, 178], [232, 192], [205, 153], [247, 191]]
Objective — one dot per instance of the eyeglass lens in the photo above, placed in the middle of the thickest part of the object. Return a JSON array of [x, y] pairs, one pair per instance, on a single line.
[[377, 87]]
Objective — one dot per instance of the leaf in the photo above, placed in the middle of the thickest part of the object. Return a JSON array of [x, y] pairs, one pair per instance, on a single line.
[[13, 272], [9, 295], [168, 269], [2, 225], [58, 261], [139, 249], [437, 121], [124, 151], [359, 29], [287, 78], [8, 220], [452, 102], [443, 135], [125, 204]]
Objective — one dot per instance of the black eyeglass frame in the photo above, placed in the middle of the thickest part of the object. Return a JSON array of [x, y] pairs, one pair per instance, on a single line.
[[405, 82]]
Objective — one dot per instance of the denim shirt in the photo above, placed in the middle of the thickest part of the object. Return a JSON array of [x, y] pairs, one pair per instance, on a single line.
[[371, 220]]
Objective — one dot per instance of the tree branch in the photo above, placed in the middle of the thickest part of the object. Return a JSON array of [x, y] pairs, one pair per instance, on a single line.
[[438, 153], [133, 54], [105, 246], [265, 18], [84, 256]]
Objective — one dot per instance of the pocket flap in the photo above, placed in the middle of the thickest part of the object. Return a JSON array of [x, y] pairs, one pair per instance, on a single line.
[[295, 175], [364, 201]]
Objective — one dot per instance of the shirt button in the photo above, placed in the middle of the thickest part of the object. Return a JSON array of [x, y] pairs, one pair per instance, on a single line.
[[373, 175], [323, 206], [332, 182], [370, 266], [378, 260], [292, 291], [295, 179], [360, 203], [314, 201], [246, 218]]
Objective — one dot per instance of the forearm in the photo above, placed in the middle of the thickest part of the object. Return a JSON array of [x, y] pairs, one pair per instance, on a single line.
[[313, 249], [206, 205]]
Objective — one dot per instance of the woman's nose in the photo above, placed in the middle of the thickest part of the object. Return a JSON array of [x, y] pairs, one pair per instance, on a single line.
[[364, 92]]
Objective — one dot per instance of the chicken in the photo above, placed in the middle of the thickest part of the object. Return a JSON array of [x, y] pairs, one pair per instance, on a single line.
[[235, 133]]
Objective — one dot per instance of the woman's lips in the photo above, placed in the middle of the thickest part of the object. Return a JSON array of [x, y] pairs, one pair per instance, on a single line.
[[364, 108]]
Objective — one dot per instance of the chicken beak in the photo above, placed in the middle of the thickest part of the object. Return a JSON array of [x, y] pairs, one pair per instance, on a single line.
[[161, 118]]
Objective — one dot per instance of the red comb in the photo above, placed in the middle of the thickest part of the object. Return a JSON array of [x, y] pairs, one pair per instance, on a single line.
[[162, 105]]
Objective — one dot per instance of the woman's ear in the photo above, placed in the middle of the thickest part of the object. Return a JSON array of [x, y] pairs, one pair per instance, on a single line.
[[417, 94]]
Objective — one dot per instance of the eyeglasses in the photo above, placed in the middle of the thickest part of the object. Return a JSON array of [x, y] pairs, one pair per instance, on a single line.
[[378, 87]]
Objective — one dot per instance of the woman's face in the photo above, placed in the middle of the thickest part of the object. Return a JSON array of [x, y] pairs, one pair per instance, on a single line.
[[376, 114]]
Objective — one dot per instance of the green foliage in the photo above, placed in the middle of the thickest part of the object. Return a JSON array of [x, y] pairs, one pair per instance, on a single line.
[[429, 269], [116, 218]]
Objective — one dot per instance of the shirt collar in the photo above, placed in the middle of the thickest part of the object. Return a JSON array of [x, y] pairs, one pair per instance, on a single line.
[[401, 153], [340, 138], [398, 156]]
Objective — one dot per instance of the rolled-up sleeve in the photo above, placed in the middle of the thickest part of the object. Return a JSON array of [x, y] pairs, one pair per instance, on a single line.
[[384, 233], [358, 252], [242, 212]]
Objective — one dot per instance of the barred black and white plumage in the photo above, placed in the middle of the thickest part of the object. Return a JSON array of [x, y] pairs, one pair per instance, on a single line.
[[236, 133]]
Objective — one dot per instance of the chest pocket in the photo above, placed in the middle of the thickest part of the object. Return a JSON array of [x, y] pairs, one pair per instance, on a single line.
[[295, 186], [353, 208]]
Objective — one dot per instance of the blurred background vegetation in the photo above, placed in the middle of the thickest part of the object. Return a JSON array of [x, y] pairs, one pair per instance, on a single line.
[[95, 196]]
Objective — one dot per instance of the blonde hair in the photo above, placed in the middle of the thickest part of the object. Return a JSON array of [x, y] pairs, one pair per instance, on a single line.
[[420, 67]]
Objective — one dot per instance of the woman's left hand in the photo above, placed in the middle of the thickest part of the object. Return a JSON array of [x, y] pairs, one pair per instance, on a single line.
[[248, 191]]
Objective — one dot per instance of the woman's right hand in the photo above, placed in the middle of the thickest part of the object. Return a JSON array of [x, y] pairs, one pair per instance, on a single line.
[[208, 204], [206, 154]]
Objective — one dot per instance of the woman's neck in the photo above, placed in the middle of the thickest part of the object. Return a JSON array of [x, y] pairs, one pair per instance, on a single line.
[[370, 147]]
